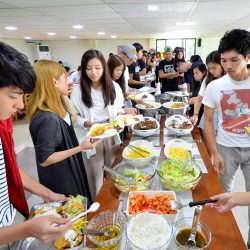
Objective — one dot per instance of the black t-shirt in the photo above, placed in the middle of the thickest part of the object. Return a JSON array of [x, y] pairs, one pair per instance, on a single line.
[[134, 69], [141, 64], [168, 84]]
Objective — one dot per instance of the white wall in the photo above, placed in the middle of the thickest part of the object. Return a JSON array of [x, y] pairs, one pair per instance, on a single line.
[[208, 44], [71, 51]]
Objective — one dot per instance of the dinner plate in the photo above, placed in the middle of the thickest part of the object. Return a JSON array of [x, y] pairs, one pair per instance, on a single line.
[[106, 129], [130, 120], [145, 96], [147, 89], [179, 119]]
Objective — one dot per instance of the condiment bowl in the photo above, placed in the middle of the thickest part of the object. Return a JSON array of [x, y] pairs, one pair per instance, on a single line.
[[108, 221], [203, 233]]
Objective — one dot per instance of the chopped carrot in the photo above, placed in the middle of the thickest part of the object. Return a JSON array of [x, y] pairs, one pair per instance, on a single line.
[[159, 202]]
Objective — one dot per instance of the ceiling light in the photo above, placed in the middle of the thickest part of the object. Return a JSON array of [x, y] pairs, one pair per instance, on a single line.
[[11, 28], [51, 33], [248, 29], [100, 33], [27, 37], [73, 37], [153, 7], [113, 36], [77, 26], [185, 23]]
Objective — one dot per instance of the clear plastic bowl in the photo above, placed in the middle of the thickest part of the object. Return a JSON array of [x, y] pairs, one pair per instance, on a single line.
[[102, 221], [186, 222], [175, 183], [138, 184]]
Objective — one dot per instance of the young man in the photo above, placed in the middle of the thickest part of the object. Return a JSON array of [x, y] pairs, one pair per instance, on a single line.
[[16, 78], [129, 55], [141, 64], [167, 73], [230, 96]]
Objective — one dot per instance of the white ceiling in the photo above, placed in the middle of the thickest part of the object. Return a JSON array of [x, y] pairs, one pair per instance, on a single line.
[[123, 18]]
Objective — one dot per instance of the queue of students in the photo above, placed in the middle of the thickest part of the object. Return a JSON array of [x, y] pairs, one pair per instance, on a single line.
[[66, 167]]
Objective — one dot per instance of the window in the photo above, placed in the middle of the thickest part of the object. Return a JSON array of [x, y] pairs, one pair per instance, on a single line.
[[189, 45]]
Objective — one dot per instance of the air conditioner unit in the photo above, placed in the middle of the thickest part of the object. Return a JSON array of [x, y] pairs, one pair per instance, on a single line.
[[42, 52]]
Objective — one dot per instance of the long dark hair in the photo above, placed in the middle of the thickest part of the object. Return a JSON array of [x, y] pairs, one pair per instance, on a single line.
[[113, 62], [203, 69], [213, 57], [108, 89]]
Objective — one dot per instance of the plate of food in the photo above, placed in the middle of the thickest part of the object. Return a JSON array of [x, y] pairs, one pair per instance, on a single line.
[[105, 130], [148, 105], [73, 238], [179, 124], [147, 89], [130, 120], [145, 97]]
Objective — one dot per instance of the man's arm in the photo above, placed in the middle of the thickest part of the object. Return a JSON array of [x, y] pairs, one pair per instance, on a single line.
[[143, 72], [210, 137], [169, 75], [38, 189]]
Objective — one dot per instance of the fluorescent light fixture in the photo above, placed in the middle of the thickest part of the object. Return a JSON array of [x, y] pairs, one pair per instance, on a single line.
[[51, 33], [248, 29], [27, 37], [185, 23], [77, 26], [73, 37], [113, 36], [11, 28], [100, 33], [153, 7]]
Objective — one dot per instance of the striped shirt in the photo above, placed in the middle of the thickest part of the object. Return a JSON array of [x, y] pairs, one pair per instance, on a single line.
[[7, 211]]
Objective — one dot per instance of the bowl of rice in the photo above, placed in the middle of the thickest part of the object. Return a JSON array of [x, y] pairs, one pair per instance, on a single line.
[[148, 230]]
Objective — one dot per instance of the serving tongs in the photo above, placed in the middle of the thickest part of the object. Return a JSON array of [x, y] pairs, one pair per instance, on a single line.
[[138, 150], [189, 152], [94, 232], [177, 205], [115, 173]]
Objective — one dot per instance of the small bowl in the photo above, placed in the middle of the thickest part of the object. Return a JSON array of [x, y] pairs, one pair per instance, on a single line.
[[104, 220], [146, 132], [172, 179], [176, 143], [175, 111], [145, 225], [127, 170], [186, 222], [140, 161]]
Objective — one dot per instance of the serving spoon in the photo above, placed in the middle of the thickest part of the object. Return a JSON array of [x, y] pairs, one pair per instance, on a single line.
[[94, 207]]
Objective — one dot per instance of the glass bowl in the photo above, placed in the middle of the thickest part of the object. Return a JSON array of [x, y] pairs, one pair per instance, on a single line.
[[185, 223], [142, 178], [172, 178], [111, 222], [148, 230]]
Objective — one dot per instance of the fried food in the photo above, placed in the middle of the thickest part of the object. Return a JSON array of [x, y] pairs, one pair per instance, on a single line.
[[145, 125]]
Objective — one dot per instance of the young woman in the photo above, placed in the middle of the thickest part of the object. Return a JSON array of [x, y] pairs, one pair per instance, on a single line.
[[97, 99], [59, 161], [215, 71], [117, 68], [199, 74]]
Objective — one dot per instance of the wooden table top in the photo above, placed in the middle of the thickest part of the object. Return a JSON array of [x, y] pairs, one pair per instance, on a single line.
[[225, 232]]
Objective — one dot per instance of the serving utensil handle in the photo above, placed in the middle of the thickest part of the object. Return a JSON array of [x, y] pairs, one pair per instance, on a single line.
[[202, 202]]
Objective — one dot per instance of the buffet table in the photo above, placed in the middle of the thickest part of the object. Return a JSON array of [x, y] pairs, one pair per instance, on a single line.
[[225, 232]]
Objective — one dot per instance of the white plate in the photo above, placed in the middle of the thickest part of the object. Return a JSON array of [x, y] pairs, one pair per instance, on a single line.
[[108, 133], [130, 120], [147, 89], [177, 94], [142, 106], [146, 132], [180, 119], [176, 143], [168, 105], [145, 96]]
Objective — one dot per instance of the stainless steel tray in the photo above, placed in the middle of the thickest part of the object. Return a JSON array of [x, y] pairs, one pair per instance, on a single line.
[[34, 244]]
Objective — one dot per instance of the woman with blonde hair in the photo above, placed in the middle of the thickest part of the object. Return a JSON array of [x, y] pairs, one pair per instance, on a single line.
[[58, 154]]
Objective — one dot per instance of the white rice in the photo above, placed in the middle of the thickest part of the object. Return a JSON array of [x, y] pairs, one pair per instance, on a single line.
[[148, 231]]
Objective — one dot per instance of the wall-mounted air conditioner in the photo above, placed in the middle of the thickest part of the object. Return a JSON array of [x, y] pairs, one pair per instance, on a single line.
[[42, 52]]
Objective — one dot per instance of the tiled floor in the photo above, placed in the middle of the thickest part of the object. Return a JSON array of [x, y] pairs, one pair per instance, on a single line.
[[26, 159]]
